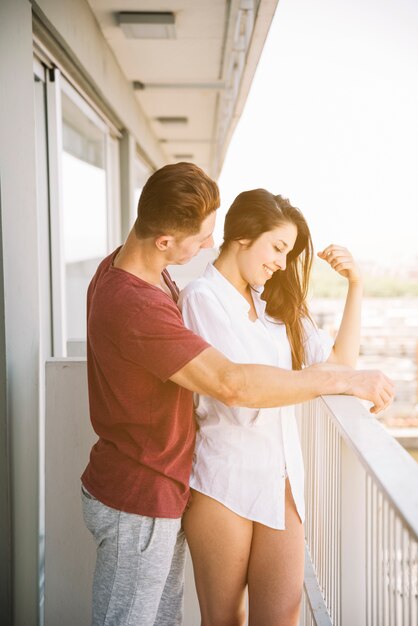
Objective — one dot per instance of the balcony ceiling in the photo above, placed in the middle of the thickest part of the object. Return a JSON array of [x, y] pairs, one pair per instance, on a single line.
[[202, 75]]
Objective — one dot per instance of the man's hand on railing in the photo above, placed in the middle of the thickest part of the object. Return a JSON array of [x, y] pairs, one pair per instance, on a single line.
[[371, 385], [374, 386]]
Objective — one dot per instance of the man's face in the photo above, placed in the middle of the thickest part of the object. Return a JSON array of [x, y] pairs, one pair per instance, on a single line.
[[183, 249]]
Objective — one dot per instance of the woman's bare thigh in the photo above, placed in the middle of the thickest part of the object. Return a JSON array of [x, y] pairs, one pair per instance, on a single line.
[[275, 572], [219, 542]]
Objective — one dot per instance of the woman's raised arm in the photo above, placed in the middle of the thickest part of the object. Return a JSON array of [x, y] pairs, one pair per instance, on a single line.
[[347, 342]]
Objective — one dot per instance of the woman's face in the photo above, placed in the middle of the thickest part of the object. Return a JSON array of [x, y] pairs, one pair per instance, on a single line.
[[259, 260]]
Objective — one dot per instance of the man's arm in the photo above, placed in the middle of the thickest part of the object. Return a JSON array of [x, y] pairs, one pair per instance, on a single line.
[[261, 386]]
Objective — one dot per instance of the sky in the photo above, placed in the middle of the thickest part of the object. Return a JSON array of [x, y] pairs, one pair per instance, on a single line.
[[331, 122]]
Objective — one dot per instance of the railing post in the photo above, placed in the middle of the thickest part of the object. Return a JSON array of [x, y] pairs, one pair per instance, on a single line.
[[353, 539]]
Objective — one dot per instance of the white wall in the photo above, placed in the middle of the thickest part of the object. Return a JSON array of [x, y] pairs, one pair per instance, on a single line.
[[69, 547], [183, 274], [21, 287]]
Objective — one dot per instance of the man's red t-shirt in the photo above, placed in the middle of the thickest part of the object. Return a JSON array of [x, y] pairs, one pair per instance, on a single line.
[[136, 340]]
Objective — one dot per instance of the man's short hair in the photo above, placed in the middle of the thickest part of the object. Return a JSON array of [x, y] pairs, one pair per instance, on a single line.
[[176, 198]]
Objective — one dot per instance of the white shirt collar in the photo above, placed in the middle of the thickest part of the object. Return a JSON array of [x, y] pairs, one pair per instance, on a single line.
[[260, 305], [231, 297]]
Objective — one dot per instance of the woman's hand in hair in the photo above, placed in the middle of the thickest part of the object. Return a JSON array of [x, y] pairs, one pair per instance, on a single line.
[[341, 260]]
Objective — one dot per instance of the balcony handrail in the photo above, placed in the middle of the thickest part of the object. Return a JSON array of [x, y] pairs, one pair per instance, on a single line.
[[381, 455]]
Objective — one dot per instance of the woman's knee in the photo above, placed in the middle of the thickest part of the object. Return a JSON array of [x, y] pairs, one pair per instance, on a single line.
[[284, 612], [233, 617]]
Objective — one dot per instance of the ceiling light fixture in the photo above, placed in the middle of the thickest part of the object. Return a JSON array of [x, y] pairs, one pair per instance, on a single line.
[[217, 86], [147, 25], [172, 120]]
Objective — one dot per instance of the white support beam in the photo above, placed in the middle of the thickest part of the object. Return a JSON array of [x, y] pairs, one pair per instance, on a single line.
[[20, 235], [127, 182], [54, 130]]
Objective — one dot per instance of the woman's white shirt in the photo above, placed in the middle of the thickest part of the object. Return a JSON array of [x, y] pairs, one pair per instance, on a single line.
[[243, 455]]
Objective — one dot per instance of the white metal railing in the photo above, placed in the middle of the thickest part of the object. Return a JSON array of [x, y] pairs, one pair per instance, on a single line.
[[361, 519]]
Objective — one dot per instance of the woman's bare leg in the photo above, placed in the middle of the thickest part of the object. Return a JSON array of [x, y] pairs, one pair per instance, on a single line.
[[219, 542], [275, 571]]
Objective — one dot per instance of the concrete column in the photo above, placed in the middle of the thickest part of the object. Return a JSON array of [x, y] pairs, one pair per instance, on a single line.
[[20, 261], [5, 519], [127, 183]]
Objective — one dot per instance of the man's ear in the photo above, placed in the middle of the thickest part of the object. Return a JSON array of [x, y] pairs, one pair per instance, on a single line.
[[164, 242]]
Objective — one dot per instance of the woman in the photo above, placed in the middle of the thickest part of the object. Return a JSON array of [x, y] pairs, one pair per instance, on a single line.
[[245, 522]]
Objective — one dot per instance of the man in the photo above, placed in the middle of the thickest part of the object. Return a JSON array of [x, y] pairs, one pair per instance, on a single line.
[[143, 365]]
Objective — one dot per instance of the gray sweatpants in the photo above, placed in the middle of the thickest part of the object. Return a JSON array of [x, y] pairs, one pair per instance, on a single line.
[[139, 576]]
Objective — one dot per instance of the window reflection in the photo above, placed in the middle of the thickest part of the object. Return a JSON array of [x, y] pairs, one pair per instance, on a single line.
[[85, 223], [84, 186]]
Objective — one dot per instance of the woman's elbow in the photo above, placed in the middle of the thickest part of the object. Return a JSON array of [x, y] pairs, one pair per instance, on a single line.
[[346, 360]]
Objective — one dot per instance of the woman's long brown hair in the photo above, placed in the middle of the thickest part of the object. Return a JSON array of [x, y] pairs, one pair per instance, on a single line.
[[253, 213]]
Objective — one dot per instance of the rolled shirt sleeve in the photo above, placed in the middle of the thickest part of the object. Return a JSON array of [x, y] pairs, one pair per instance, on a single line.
[[318, 344]]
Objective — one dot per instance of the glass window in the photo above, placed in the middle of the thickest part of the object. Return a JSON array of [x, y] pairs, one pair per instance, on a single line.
[[84, 186], [85, 212]]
